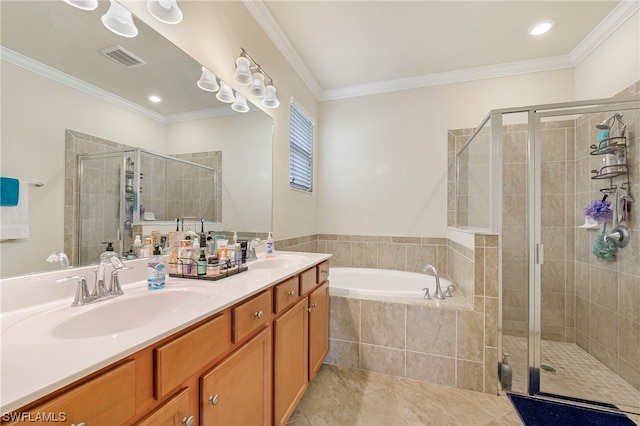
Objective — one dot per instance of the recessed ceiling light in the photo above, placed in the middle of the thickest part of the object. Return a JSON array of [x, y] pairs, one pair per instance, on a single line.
[[155, 99], [541, 27]]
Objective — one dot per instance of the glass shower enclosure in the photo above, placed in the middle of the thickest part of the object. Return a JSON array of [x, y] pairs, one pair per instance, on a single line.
[[569, 319], [119, 189]]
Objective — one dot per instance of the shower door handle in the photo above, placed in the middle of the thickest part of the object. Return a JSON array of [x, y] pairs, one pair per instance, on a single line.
[[540, 253]]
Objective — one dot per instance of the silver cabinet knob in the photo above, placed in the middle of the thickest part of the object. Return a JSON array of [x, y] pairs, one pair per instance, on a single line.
[[258, 314], [315, 305], [188, 421], [214, 399], [292, 293], [309, 309]]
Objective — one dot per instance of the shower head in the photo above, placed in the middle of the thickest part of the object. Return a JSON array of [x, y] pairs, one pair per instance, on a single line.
[[606, 124]]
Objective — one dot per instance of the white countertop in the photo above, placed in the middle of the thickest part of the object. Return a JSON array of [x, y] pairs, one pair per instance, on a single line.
[[34, 363]]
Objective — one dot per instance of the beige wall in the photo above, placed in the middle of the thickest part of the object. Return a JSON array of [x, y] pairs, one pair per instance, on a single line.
[[383, 158], [33, 149], [613, 65]]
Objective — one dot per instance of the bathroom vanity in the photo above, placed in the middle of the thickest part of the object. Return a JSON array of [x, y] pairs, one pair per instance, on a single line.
[[244, 356]]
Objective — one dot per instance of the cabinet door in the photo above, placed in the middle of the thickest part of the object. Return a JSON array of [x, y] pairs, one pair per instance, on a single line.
[[318, 328], [238, 390], [290, 362], [174, 412]]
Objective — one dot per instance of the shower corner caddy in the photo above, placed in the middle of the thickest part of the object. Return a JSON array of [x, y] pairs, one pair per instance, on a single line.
[[612, 146]]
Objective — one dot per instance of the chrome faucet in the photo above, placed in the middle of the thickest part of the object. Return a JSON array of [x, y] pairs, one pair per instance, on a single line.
[[439, 294], [100, 291], [251, 249]]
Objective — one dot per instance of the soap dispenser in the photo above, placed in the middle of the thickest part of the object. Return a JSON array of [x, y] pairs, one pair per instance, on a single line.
[[505, 372]]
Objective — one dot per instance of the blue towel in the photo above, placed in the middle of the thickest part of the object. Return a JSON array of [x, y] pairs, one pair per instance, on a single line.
[[9, 191]]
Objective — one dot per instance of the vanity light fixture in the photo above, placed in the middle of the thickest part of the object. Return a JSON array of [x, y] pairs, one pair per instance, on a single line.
[[208, 81], [166, 11], [155, 99], [119, 20], [83, 4], [249, 72], [270, 100], [541, 27], [240, 104], [225, 94]]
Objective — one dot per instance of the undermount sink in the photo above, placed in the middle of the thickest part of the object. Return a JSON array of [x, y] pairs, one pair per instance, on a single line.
[[279, 261], [110, 317]]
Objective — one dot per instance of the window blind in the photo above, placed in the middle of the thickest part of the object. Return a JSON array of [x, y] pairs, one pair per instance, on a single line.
[[301, 150]]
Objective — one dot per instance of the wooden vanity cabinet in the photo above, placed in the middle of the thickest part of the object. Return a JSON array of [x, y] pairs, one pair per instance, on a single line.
[[301, 341], [249, 364]]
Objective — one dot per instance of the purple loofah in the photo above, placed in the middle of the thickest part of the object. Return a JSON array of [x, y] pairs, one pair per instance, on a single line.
[[599, 211]]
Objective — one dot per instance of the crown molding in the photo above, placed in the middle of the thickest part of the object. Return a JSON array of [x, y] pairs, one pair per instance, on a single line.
[[619, 14], [221, 111], [449, 77], [261, 14], [75, 83]]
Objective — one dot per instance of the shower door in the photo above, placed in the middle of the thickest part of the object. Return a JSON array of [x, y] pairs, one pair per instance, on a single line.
[[581, 321], [105, 204]]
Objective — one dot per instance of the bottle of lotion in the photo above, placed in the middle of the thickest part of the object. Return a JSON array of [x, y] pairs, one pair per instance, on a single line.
[[269, 252]]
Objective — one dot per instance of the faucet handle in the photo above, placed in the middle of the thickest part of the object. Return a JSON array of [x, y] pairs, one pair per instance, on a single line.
[[427, 296], [115, 289], [82, 292], [450, 288]]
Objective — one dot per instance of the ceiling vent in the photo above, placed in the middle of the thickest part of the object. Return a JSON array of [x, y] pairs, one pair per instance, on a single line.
[[122, 56]]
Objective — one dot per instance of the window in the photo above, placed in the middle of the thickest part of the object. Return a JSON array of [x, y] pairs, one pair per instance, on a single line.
[[301, 150]]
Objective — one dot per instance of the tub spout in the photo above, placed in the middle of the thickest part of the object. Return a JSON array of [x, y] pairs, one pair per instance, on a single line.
[[439, 294]]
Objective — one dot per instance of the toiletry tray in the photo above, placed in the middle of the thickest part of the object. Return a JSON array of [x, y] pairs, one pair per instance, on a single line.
[[223, 274]]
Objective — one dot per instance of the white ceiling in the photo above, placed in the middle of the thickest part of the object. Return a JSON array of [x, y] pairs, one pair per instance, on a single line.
[[351, 48]]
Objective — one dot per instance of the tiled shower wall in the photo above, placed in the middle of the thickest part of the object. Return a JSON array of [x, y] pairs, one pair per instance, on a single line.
[[77, 143], [460, 351], [206, 202], [594, 304], [195, 195], [607, 302]]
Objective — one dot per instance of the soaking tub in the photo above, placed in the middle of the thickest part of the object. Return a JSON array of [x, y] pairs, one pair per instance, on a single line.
[[382, 283]]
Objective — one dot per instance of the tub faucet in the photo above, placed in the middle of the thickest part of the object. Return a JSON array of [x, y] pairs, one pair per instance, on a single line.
[[439, 294]]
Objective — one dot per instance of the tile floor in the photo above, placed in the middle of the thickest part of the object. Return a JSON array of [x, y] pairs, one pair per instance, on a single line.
[[341, 396], [577, 374], [346, 396]]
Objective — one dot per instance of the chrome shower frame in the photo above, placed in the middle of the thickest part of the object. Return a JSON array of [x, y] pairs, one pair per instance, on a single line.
[[535, 247]]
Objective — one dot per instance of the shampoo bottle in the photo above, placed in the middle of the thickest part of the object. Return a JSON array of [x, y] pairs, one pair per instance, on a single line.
[[269, 252], [156, 272]]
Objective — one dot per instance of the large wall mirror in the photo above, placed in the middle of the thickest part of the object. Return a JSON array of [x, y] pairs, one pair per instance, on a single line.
[[57, 81]]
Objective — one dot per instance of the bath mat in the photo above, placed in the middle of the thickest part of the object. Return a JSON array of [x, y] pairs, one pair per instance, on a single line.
[[538, 412]]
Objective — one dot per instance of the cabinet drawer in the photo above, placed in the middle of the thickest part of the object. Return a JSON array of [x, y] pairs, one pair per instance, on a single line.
[[323, 272], [251, 315], [307, 281], [109, 398], [286, 294], [182, 357]]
